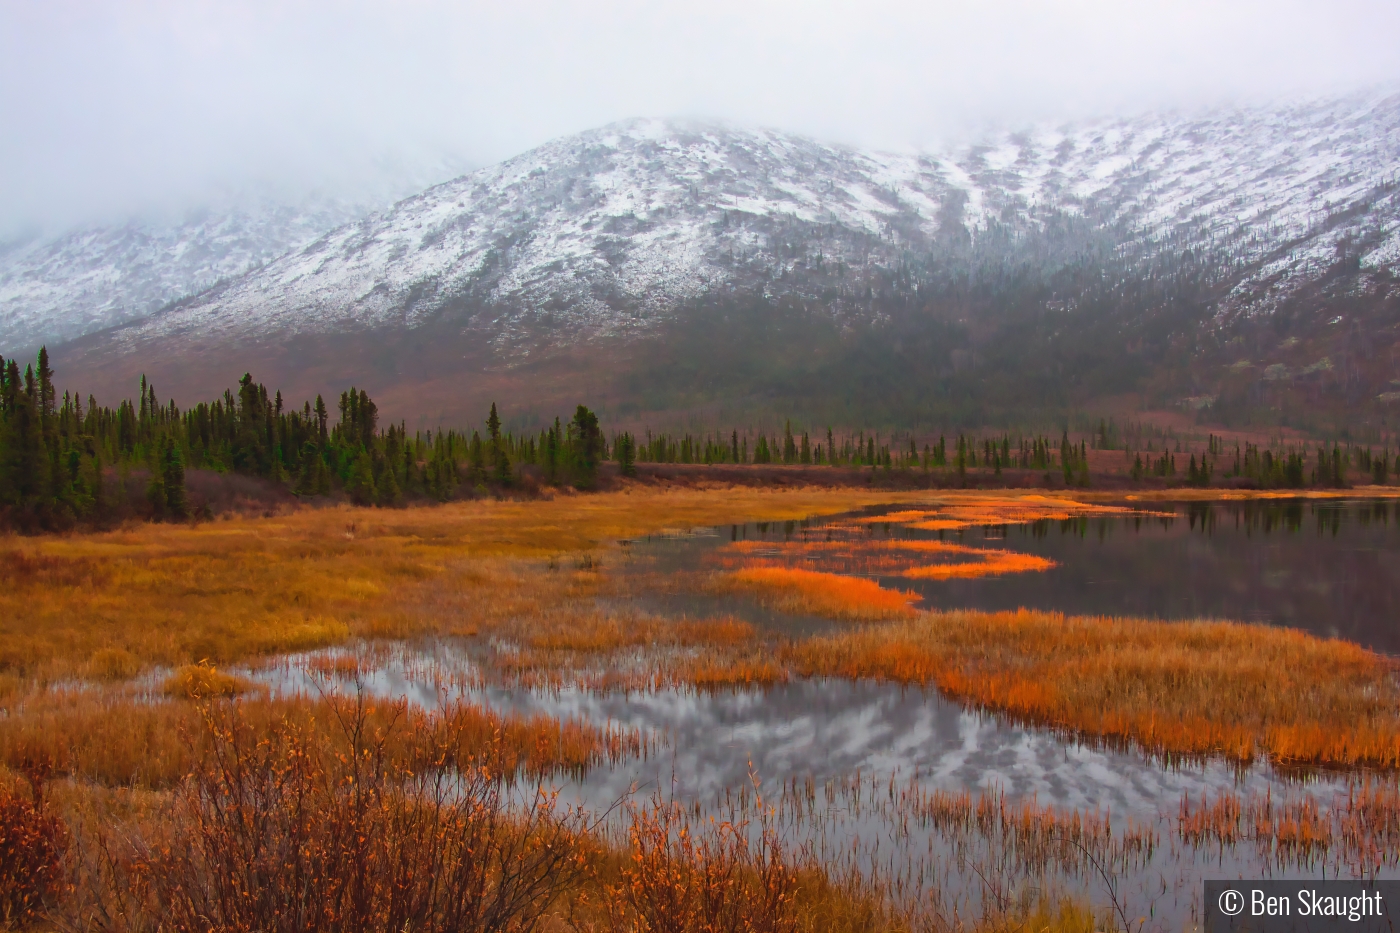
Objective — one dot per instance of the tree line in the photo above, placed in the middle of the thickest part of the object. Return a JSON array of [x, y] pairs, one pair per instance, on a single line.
[[65, 459]]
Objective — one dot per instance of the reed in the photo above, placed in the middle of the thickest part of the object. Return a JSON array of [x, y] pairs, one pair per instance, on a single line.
[[714, 879], [1358, 833]]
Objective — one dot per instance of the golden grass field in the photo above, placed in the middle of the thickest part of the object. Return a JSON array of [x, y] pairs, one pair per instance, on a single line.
[[107, 607], [110, 605], [114, 645]]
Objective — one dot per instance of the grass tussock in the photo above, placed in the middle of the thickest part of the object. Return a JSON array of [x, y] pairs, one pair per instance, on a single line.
[[1176, 688], [810, 592], [204, 682]]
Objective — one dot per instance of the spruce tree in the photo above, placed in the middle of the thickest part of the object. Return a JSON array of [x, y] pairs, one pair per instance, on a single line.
[[389, 492], [361, 486], [174, 479], [587, 447], [309, 480], [155, 488], [627, 455], [500, 460], [476, 461], [99, 492], [551, 454], [47, 393], [25, 456]]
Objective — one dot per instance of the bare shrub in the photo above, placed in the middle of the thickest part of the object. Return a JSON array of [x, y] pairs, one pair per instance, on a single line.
[[316, 826]]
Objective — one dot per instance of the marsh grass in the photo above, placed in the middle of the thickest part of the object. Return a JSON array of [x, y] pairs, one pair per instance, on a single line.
[[914, 559], [122, 739], [1358, 832], [809, 592], [526, 587], [1173, 688], [971, 510], [101, 606], [715, 878]]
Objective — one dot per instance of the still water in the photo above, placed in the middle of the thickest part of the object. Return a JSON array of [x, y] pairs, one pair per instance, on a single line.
[[1330, 567]]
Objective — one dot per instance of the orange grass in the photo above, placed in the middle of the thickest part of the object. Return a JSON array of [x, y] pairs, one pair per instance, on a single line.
[[1360, 830], [905, 558], [118, 740], [1189, 688], [810, 592], [969, 511], [993, 562], [105, 605], [202, 681]]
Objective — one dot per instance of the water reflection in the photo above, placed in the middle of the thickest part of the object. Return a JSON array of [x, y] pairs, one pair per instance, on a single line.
[[1331, 567], [882, 741]]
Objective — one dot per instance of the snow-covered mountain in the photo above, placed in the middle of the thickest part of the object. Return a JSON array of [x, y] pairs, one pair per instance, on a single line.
[[607, 231], [61, 285], [52, 288]]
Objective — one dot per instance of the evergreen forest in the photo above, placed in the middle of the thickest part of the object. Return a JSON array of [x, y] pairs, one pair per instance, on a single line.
[[66, 460]]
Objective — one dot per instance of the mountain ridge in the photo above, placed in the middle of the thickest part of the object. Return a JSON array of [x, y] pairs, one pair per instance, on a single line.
[[1177, 230]]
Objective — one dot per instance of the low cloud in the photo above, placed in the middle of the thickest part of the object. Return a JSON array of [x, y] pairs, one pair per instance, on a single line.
[[112, 109]]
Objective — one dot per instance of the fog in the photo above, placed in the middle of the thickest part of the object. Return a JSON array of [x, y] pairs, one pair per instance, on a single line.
[[110, 109]]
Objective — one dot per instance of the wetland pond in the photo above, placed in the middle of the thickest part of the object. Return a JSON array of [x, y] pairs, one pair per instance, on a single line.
[[867, 774], [1330, 567]]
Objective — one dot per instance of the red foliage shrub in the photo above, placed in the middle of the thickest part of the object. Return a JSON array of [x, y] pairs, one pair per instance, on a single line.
[[32, 846]]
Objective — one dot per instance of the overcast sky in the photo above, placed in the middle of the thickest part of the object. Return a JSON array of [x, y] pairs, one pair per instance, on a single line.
[[114, 107]]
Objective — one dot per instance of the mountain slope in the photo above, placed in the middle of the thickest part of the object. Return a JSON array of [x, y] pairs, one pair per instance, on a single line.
[[55, 288], [609, 230], [1118, 256]]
